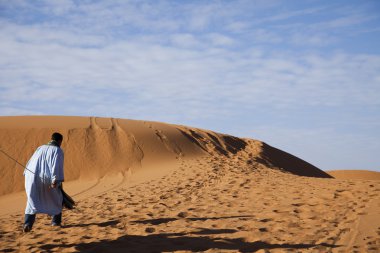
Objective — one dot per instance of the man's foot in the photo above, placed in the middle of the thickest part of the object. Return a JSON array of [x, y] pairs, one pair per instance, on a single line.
[[26, 228], [53, 224]]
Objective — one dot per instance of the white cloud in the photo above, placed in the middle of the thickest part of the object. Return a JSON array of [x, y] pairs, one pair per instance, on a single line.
[[265, 36], [58, 7], [185, 40], [285, 15], [49, 35], [220, 40], [313, 39], [237, 26], [13, 110]]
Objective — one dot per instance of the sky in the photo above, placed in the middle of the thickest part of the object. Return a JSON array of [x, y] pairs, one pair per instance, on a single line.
[[300, 75]]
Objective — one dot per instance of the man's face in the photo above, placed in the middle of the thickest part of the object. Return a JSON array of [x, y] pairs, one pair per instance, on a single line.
[[60, 142]]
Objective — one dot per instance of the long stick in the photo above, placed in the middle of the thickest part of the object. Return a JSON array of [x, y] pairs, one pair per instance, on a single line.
[[16, 161]]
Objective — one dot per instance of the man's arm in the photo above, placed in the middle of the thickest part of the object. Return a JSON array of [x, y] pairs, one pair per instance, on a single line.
[[57, 175]]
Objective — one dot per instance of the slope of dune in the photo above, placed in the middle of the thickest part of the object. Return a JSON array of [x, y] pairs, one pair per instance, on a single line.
[[355, 174], [152, 187]]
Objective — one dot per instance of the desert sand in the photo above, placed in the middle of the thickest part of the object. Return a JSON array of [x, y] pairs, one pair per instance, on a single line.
[[355, 174], [152, 187]]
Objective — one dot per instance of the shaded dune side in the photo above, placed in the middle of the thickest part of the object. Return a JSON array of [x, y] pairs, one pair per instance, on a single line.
[[262, 153], [95, 147], [211, 142], [276, 158]]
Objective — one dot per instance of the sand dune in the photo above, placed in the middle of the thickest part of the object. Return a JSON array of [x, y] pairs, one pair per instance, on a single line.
[[95, 147], [355, 174], [153, 187]]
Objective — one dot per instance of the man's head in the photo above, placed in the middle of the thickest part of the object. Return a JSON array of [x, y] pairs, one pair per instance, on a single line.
[[57, 137]]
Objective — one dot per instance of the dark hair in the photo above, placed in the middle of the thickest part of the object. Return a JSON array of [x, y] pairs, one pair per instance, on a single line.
[[57, 137]]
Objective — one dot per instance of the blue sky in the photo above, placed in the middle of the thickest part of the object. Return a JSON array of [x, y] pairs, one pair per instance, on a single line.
[[303, 76]]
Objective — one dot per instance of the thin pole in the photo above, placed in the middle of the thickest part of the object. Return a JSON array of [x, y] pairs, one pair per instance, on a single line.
[[16, 161]]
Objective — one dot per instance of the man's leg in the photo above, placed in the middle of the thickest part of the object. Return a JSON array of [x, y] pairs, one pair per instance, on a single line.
[[29, 221], [57, 219]]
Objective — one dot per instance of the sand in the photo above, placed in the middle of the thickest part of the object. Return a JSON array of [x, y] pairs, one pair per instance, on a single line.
[[154, 187], [355, 174]]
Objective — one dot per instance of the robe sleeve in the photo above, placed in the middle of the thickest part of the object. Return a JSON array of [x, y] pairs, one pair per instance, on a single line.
[[57, 174], [27, 165]]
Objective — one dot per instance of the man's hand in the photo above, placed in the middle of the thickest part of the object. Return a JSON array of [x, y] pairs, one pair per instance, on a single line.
[[54, 185]]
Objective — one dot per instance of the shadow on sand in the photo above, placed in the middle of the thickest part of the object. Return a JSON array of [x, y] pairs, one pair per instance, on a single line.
[[167, 220], [201, 239], [169, 242], [100, 224]]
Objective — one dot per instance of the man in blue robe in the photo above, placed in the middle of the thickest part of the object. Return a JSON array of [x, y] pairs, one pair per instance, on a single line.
[[43, 176]]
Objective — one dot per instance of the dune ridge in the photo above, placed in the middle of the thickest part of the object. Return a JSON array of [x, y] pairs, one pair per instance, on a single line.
[[97, 146]]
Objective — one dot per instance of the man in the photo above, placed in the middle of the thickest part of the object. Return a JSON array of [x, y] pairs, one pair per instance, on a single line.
[[43, 176]]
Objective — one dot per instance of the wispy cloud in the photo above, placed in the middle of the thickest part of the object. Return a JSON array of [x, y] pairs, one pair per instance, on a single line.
[[173, 75]]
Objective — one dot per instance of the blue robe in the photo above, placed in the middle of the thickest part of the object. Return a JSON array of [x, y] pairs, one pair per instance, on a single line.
[[43, 168]]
